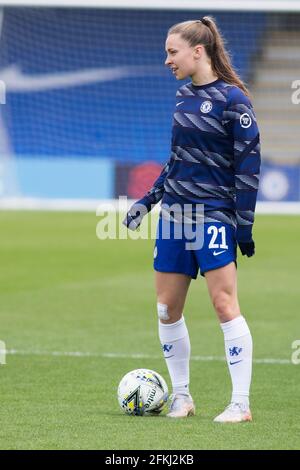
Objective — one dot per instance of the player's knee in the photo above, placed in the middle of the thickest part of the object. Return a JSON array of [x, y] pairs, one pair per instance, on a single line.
[[223, 304], [167, 313]]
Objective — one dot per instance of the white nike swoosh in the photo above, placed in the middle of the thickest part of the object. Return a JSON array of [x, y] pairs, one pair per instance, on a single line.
[[180, 102], [216, 253]]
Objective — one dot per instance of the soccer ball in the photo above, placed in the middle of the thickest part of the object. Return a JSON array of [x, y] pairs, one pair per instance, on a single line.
[[142, 392]]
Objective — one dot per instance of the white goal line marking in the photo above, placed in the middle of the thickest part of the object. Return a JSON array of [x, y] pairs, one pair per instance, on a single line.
[[19, 352]]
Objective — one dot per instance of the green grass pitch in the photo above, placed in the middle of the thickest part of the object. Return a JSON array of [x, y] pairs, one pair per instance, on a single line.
[[63, 290]]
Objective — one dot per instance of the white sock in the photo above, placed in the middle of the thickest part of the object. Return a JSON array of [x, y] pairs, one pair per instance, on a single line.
[[238, 348], [175, 341]]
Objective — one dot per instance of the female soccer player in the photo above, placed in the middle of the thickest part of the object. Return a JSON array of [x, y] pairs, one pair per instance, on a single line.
[[214, 165]]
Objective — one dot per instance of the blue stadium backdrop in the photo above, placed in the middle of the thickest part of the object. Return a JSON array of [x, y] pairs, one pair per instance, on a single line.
[[89, 102]]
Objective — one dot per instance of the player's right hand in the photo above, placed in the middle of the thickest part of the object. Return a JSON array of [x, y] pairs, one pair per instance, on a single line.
[[135, 215]]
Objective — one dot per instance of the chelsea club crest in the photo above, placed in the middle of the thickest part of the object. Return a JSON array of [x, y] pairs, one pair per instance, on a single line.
[[206, 106]]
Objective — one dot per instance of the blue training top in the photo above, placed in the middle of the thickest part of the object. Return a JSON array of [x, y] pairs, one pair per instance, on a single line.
[[215, 156]]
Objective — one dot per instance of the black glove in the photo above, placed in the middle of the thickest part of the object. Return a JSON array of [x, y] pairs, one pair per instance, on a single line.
[[136, 213], [247, 248]]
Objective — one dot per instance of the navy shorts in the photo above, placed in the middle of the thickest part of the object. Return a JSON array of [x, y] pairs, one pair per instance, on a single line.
[[178, 253]]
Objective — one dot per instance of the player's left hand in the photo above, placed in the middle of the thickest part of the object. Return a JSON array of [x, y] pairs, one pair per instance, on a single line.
[[247, 248]]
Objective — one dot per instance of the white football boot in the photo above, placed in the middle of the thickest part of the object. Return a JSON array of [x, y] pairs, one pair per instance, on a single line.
[[234, 413], [181, 406]]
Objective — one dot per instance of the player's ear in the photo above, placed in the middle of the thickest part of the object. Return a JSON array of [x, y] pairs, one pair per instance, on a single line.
[[198, 51]]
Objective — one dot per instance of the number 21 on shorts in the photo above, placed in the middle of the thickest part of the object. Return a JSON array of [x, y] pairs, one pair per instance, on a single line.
[[215, 231]]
